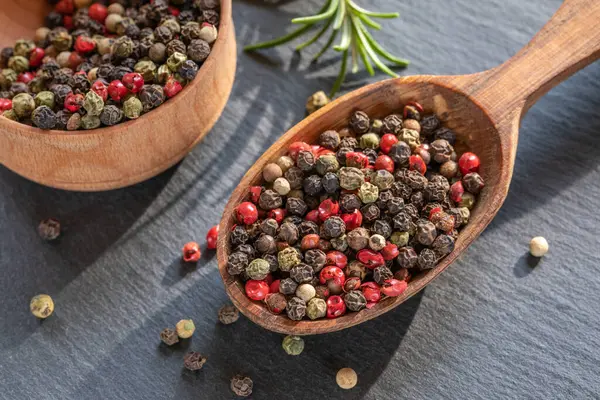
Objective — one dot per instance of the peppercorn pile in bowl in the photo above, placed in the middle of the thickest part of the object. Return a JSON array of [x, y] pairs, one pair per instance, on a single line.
[[338, 226], [98, 64]]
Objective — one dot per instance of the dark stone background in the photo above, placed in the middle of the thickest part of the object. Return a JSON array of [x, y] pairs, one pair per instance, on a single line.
[[490, 327]]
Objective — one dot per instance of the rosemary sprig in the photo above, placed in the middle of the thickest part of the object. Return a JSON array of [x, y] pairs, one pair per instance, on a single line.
[[351, 23]]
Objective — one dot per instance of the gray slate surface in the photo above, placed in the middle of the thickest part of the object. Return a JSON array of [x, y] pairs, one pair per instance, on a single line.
[[491, 327]]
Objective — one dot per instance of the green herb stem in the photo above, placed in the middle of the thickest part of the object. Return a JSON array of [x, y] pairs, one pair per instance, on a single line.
[[333, 5]]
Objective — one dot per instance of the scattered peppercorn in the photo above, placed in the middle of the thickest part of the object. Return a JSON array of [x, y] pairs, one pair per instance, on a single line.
[[346, 378], [293, 345], [337, 232], [169, 336], [41, 306], [538, 246], [194, 361], [241, 385], [185, 328], [127, 48], [191, 252], [228, 314], [49, 229]]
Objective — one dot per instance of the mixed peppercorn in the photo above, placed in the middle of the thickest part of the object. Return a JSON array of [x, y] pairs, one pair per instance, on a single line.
[[98, 64], [340, 225]]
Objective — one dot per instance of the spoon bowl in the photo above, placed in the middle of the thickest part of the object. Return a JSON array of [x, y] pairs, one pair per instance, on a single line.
[[484, 110], [127, 153]]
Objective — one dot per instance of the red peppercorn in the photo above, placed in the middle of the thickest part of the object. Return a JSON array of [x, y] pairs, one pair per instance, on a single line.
[[84, 44], [133, 81], [257, 290], [65, 7], [434, 211], [116, 90], [75, 59], [255, 192], [277, 214], [352, 220], [282, 245], [328, 208], [172, 87], [416, 163], [269, 279], [387, 141], [456, 191], [315, 148], [98, 12], [336, 258], [384, 162], [191, 252], [36, 56], [355, 158], [310, 241], [370, 258], [25, 77], [100, 89], [73, 102], [468, 162], [5, 105], [174, 11], [68, 22], [371, 292], [323, 151], [324, 245], [331, 272], [211, 237], [297, 147], [274, 286], [390, 251], [313, 216], [416, 105], [393, 287], [246, 213], [335, 307]]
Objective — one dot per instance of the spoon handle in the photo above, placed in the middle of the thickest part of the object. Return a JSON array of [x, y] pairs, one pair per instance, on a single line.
[[566, 44]]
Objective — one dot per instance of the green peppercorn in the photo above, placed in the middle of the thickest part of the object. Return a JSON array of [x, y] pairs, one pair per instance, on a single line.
[[368, 193], [112, 21], [369, 141], [400, 239], [93, 103], [316, 101], [23, 47], [327, 163], [90, 121], [147, 69], [175, 61], [410, 137], [36, 85], [293, 345], [258, 269], [18, 64], [23, 105], [122, 47], [288, 258], [467, 200], [351, 178], [163, 74], [383, 179], [61, 40], [45, 98], [10, 114], [132, 107], [172, 24], [7, 77], [190, 31], [316, 308]]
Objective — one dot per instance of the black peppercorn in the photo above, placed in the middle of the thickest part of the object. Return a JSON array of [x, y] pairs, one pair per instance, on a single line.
[[446, 134], [53, 19], [349, 202], [392, 124], [370, 213], [288, 232], [407, 257], [295, 177], [395, 205], [79, 83], [60, 93], [308, 228], [429, 124], [382, 227], [248, 250], [270, 200], [426, 232], [151, 96], [355, 300], [330, 139], [238, 236], [443, 245], [441, 150], [194, 361], [269, 226], [188, 70], [236, 263], [400, 152], [265, 244], [472, 182], [296, 206], [359, 122], [427, 259], [296, 308], [333, 227], [402, 221], [316, 259], [301, 273], [305, 161], [330, 182], [210, 16], [384, 197], [272, 260], [111, 115], [382, 274], [162, 34], [312, 185], [44, 118], [288, 286]]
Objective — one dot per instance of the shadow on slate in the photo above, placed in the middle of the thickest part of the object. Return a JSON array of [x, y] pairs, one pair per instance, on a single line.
[[525, 265], [91, 223]]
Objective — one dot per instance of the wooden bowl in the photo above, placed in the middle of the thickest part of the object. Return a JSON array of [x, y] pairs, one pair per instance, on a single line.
[[125, 154]]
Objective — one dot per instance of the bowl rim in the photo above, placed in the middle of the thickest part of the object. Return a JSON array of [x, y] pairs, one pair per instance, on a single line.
[[224, 21]]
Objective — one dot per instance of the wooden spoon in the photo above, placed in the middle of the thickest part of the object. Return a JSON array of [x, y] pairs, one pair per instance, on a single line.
[[484, 109]]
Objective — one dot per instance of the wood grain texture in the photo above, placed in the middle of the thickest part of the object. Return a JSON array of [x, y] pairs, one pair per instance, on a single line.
[[127, 153], [484, 110]]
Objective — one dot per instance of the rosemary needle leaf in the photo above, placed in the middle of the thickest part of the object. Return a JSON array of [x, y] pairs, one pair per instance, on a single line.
[[333, 5], [316, 37]]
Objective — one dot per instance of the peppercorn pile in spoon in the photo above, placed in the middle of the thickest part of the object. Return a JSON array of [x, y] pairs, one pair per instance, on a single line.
[[338, 226]]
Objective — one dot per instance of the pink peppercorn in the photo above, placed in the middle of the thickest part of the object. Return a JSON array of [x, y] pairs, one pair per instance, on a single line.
[[393, 287], [297, 147], [274, 286], [332, 273], [277, 214], [468, 162], [357, 159], [257, 290], [100, 89], [65, 7], [456, 191], [5, 105], [191, 252], [352, 220], [36, 56], [116, 90], [172, 87], [133, 81], [370, 258], [25, 77], [313, 216], [390, 251], [384, 162], [335, 307], [328, 208], [246, 213], [387, 141], [74, 60], [98, 12], [372, 293], [74, 102], [336, 258], [211, 237], [255, 192], [416, 163], [84, 44]]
